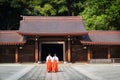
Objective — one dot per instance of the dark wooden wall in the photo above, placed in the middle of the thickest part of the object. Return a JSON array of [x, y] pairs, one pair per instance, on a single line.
[[115, 52], [27, 53], [78, 53], [7, 54], [99, 52]]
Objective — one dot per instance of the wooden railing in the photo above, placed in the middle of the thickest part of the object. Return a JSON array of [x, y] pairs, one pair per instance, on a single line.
[[115, 60], [111, 60], [100, 61]]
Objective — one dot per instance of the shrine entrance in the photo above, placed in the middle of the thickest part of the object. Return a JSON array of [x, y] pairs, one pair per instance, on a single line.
[[52, 48]]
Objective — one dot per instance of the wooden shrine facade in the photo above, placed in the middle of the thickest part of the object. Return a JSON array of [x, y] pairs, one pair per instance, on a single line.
[[102, 45], [65, 36]]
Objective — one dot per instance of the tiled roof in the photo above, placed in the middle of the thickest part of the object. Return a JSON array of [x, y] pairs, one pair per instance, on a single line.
[[102, 38], [10, 38], [52, 26]]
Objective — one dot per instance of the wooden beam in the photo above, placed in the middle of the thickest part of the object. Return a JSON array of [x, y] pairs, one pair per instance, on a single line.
[[40, 51], [36, 51], [89, 54], [109, 55], [16, 55], [64, 55], [69, 50]]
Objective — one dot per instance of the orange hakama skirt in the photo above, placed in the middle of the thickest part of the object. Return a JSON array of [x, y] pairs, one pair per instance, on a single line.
[[55, 66], [49, 66]]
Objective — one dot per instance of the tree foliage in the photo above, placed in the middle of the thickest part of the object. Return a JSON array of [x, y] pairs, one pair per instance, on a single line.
[[98, 14], [102, 14], [12, 9]]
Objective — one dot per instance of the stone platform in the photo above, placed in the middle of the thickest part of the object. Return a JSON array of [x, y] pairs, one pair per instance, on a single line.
[[66, 72]]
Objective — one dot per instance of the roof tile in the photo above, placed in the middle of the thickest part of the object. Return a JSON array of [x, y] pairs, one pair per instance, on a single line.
[[52, 25], [102, 37], [10, 38]]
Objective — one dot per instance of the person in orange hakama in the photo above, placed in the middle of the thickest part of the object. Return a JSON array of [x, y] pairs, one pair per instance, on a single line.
[[55, 63], [49, 63]]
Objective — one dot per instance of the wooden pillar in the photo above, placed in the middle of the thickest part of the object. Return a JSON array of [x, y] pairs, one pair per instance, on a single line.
[[109, 55], [89, 54], [64, 56], [16, 55], [69, 50], [36, 51], [39, 52]]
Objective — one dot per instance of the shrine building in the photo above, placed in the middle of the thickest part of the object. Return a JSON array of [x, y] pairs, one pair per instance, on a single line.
[[64, 36]]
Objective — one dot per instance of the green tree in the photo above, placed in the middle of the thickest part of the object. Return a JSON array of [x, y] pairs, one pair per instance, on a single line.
[[10, 10], [8, 15], [102, 14]]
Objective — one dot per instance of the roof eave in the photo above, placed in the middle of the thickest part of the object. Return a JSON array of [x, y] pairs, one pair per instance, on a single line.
[[99, 43], [53, 34], [12, 43]]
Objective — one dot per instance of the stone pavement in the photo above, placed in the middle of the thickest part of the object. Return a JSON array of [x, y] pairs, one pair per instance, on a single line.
[[100, 71], [66, 72], [13, 71]]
